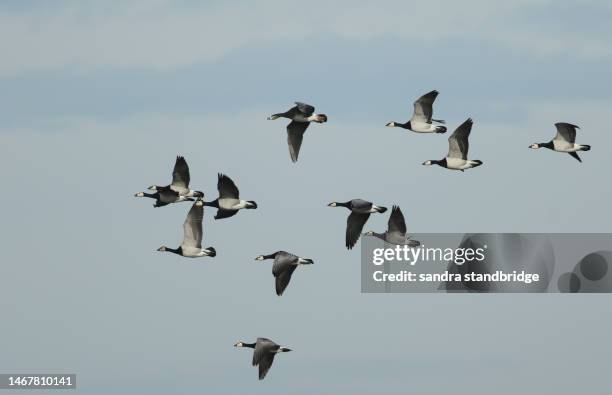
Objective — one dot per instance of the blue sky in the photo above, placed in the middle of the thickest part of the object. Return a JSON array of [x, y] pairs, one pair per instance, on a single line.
[[97, 99]]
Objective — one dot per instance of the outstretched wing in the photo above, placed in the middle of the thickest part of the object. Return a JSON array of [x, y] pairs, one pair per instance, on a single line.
[[225, 213], [354, 226], [396, 224], [180, 174], [566, 132], [295, 135], [423, 107], [265, 363], [304, 108], [458, 143], [192, 227], [283, 279], [226, 187], [262, 346]]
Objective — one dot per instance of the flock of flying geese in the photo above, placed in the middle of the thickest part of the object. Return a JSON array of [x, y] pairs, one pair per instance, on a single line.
[[301, 115]]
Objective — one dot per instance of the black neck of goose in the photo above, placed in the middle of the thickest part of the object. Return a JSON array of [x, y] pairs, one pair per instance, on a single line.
[[441, 162], [249, 345], [406, 125], [379, 235], [178, 251], [214, 203], [548, 145], [345, 204], [271, 256]]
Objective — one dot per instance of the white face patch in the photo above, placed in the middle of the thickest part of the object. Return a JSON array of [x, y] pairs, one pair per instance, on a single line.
[[534, 146], [332, 204], [259, 258]]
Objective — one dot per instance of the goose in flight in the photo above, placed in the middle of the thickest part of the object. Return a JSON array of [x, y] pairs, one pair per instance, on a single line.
[[396, 230], [164, 197], [180, 180], [191, 247], [228, 203], [284, 265], [421, 121], [564, 141], [458, 146], [360, 212], [301, 115], [264, 351]]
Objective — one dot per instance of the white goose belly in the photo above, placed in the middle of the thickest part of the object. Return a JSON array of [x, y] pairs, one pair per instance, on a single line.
[[191, 252], [422, 127], [232, 204], [457, 163], [562, 146]]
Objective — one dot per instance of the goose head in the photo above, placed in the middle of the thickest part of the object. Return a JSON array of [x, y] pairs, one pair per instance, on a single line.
[[535, 146], [162, 248], [139, 194]]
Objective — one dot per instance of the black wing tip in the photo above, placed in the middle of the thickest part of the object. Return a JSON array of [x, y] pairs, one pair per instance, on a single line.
[[559, 124], [575, 156], [222, 176]]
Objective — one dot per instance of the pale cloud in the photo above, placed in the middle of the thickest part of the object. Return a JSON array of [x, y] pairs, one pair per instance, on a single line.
[[163, 35]]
